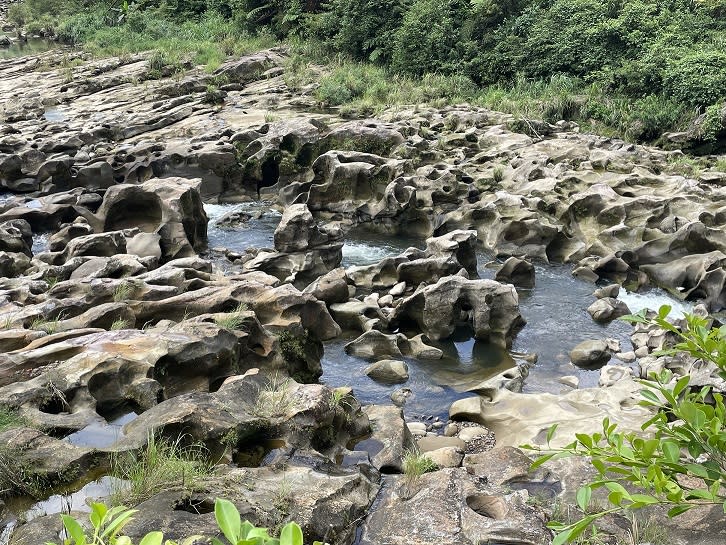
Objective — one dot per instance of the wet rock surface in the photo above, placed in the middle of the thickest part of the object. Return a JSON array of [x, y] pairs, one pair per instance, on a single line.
[[112, 301]]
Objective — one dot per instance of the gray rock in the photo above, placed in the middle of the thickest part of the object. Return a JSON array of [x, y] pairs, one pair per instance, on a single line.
[[388, 371]]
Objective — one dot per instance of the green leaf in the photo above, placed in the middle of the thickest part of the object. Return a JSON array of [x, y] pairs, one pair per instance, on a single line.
[[664, 311], [152, 538], [228, 519], [541, 460], [116, 524], [562, 537], [583, 497], [671, 451], [680, 509], [650, 396], [681, 385], [551, 432], [291, 534], [74, 529], [98, 512]]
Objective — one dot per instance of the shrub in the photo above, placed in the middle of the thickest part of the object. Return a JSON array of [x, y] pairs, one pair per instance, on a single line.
[[160, 465], [107, 525], [681, 465], [429, 39], [698, 79]]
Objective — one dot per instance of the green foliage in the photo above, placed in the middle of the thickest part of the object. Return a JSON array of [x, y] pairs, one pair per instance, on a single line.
[[416, 464], [160, 465], [107, 524], [681, 464], [234, 319], [9, 419], [364, 29], [237, 532], [698, 79]]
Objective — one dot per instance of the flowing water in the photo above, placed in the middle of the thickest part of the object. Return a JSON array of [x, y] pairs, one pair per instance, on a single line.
[[555, 310]]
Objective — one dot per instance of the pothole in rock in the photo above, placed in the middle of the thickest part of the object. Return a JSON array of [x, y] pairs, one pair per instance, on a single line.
[[195, 506], [259, 454], [492, 507]]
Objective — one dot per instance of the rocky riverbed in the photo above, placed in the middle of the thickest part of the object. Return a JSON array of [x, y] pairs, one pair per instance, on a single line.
[[215, 257]]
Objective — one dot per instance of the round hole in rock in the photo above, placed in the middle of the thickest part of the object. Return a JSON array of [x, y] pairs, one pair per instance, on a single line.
[[492, 507], [195, 506], [136, 210]]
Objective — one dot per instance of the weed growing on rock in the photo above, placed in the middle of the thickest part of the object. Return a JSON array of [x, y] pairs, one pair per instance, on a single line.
[[159, 466], [274, 399], [234, 319], [498, 174], [292, 347], [416, 464], [119, 324], [48, 325], [122, 292], [15, 477], [9, 419]]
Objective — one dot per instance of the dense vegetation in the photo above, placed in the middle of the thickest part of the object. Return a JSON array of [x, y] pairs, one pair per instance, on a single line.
[[635, 68]]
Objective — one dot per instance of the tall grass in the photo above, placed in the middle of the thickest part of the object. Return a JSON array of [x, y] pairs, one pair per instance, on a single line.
[[161, 465], [207, 41]]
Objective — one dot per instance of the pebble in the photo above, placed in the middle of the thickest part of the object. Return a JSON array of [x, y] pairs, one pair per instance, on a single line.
[[570, 380]]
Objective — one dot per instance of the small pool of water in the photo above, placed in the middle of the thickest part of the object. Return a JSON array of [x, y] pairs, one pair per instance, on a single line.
[[55, 113], [434, 384], [101, 434], [257, 232], [31, 47], [40, 243]]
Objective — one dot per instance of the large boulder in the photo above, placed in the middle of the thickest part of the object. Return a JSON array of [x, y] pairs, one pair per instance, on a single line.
[[169, 207], [491, 309]]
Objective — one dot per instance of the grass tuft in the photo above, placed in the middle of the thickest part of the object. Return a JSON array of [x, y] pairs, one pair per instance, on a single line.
[[416, 464], [161, 465], [233, 320]]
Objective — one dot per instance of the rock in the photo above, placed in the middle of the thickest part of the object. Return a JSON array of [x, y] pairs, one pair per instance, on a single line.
[[607, 309], [446, 456], [591, 354], [388, 371], [516, 271], [453, 507], [428, 444], [611, 290], [330, 288], [570, 380], [490, 308], [417, 428], [390, 438], [298, 231], [468, 433], [611, 374], [169, 207], [518, 419]]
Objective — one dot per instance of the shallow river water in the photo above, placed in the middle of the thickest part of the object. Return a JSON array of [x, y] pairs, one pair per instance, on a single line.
[[555, 310]]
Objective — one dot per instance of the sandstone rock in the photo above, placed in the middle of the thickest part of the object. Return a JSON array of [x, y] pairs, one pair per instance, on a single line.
[[388, 371], [591, 354], [516, 271], [490, 308], [607, 309]]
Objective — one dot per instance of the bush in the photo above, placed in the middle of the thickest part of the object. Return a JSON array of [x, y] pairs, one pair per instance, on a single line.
[[681, 465], [429, 39], [365, 29], [698, 79]]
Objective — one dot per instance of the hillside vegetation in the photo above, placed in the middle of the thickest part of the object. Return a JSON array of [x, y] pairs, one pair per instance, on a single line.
[[634, 68]]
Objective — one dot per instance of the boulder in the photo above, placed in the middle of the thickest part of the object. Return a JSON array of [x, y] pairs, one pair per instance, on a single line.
[[517, 272], [607, 309], [388, 371], [491, 309], [591, 354]]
